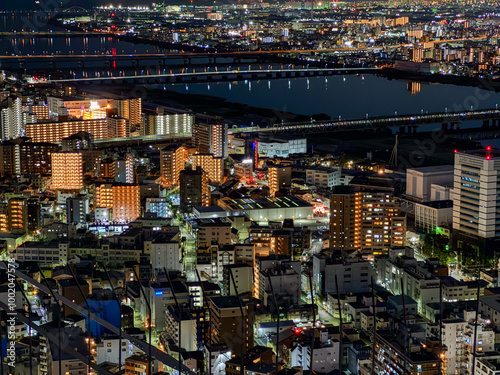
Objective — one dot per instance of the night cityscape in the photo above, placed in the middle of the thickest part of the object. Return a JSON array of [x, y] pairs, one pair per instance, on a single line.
[[250, 188]]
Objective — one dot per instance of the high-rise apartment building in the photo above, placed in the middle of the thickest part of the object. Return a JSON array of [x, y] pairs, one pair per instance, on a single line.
[[280, 177], [118, 127], [54, 132], [211, 139], [170, 123], [122, 199], [194, 190], [67, 171], [172, 161], [213, 166], [35, 158], [11, 119], [365, 220], [476, 218], [130, 109]]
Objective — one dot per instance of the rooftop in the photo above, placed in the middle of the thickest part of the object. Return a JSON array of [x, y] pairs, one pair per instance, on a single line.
[[264, 203]]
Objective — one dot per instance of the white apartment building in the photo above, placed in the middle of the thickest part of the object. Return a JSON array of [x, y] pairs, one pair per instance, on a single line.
[[108, 347], [166, 252], [187, 325], [173, 124], [325, 355], [11, 119]]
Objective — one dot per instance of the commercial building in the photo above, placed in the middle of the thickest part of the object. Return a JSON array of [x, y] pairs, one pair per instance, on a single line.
[[419, 180], [431, 215], [364, 220], [67, 171], [268, 209], [476, 185]]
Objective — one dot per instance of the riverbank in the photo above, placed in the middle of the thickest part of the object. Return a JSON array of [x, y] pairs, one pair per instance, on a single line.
[[232, 112]]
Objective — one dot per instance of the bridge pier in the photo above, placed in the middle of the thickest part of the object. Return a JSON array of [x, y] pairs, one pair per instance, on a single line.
[[456, 125], [412, 129], [486, 123], [445, 126], [402, 129]]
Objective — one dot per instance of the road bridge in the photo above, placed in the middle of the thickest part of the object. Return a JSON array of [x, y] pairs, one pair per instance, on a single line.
[[406, 123], [211, 76]]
